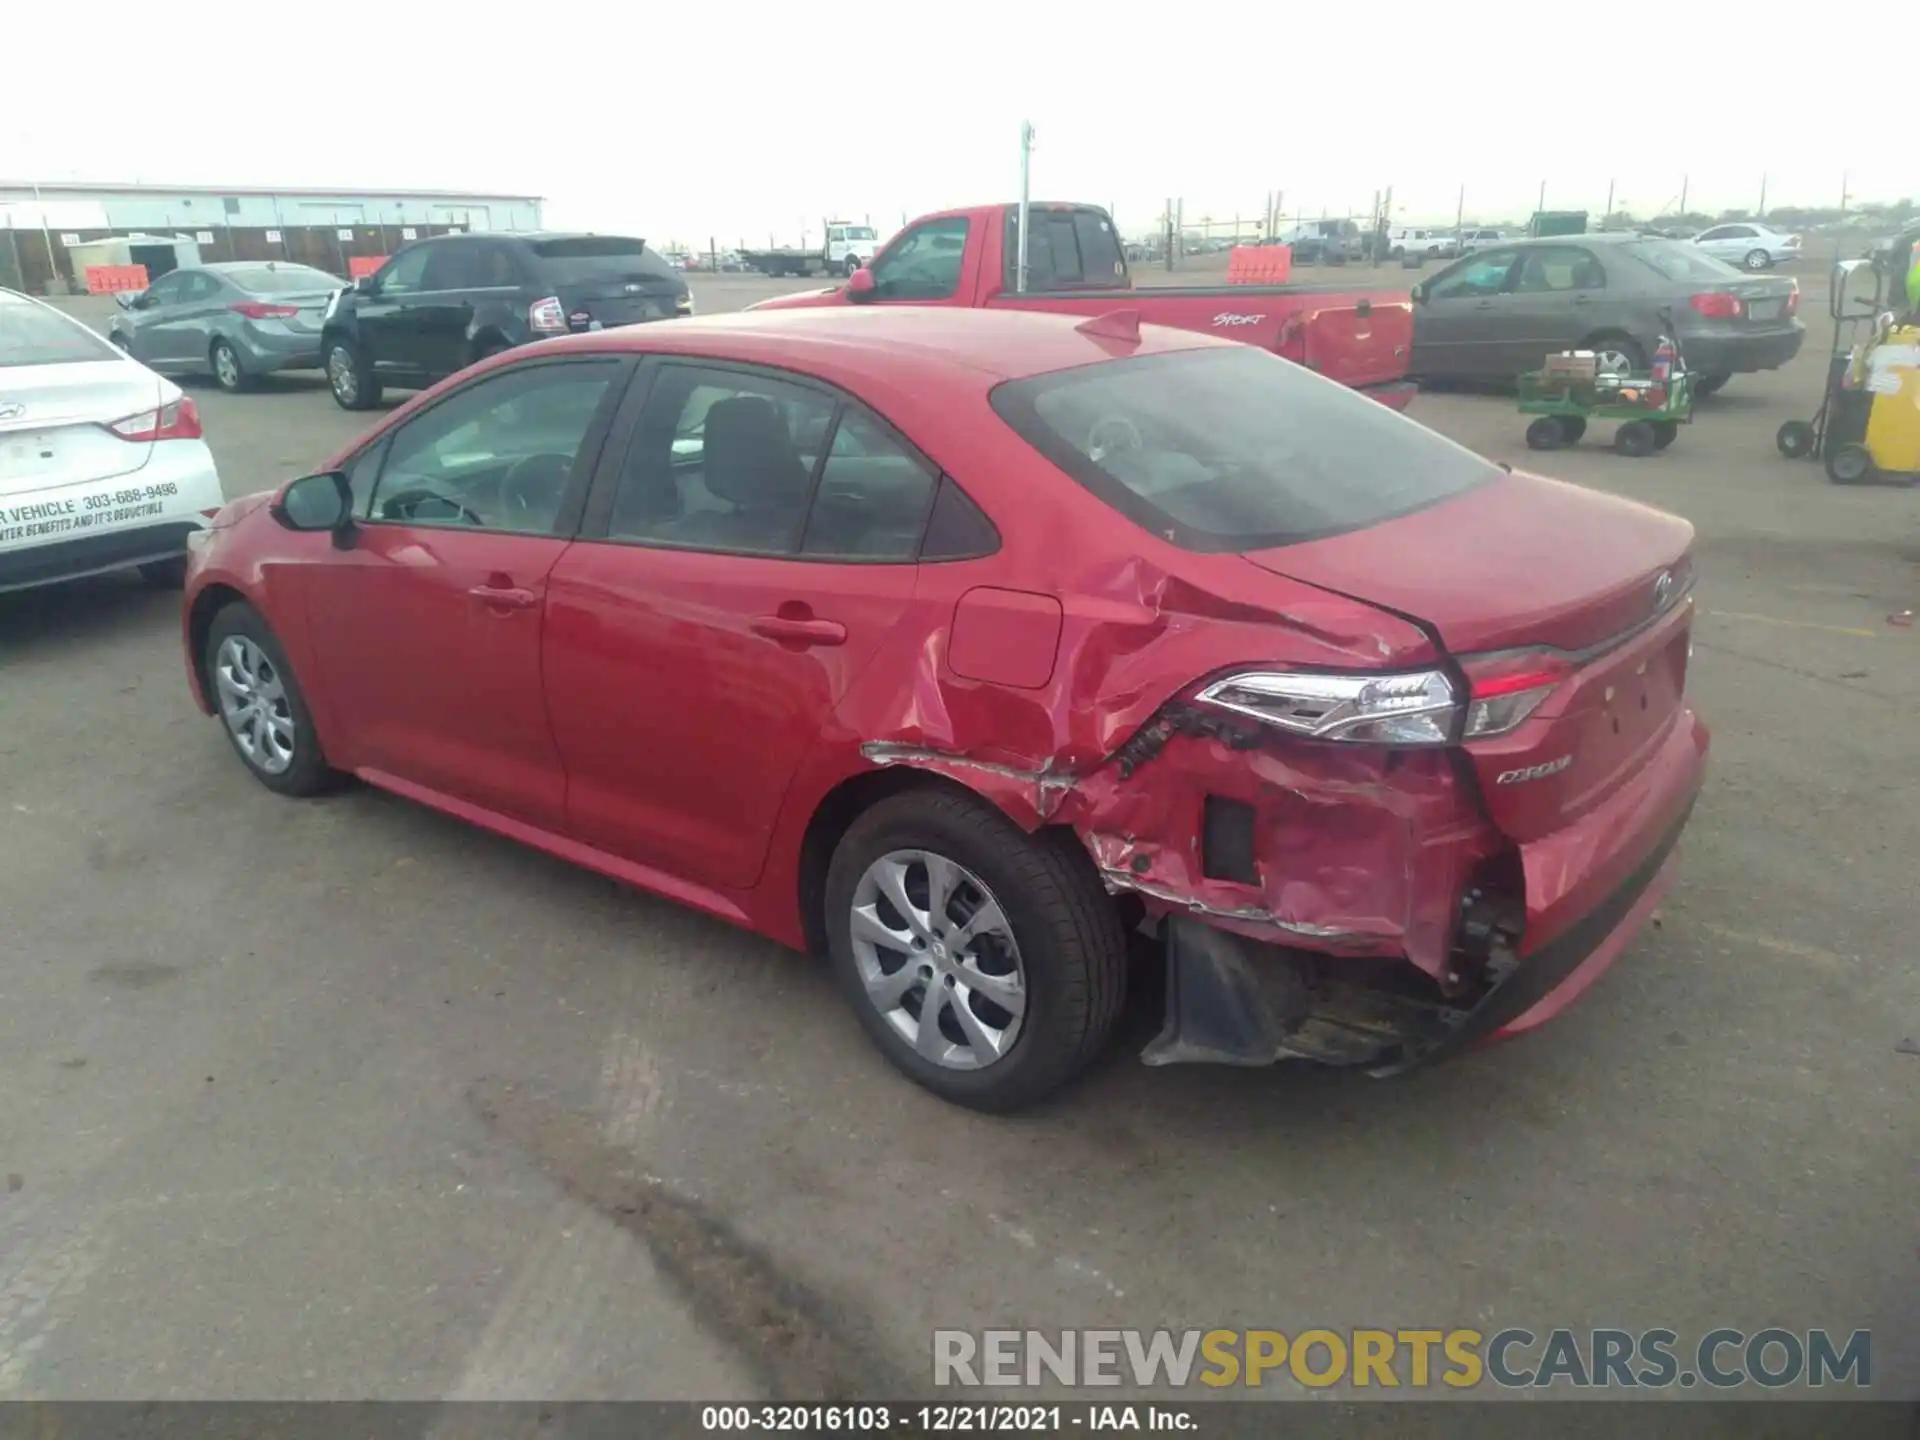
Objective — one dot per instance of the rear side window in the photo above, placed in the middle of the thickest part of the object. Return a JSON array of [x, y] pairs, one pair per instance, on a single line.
[[1066, 249], [36, 335], [1675, 260], [585, 259], [1234, 449]]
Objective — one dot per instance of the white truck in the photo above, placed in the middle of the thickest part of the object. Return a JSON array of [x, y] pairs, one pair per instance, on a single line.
[[845, 249]]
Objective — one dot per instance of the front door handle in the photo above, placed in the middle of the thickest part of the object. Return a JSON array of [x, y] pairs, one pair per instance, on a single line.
[[789, 630], [504, 597]]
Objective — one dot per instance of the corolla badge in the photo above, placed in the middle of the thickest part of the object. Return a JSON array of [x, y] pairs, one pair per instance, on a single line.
[[1662, 590], [1533, 772], [11, 410], [632, 289]]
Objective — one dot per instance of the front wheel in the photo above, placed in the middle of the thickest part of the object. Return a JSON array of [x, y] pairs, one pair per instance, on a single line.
[[1757, 260], [987, 964], [350, 376], [1795, 439], [261, 707], [1850, 465], [1546, 434]]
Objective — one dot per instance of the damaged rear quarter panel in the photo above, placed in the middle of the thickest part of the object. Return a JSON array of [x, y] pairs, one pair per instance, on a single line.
[[1360, 850]]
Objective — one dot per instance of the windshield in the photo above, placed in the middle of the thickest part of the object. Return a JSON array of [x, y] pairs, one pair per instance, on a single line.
[[283, 280], [859, 232], [1235, 449], [1677, 260], [586, 258], [34, 335]]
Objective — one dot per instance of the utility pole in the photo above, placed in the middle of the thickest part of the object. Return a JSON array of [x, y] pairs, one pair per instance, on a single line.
[[1609, 214], [1845, 175], [1460, 217], [1761, 214], [1683, 199], [1543, 196], [1026, 157]]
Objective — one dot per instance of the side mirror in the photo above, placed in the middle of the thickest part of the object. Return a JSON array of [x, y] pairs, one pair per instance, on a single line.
[[127, 299], [860, 285], [365, 286], [316, 503], [1419, 293]]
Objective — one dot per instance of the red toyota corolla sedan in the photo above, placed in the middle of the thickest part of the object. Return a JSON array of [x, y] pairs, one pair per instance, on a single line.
[[963, 646]]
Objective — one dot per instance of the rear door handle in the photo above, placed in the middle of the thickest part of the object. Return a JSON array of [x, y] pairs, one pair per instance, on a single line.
[[504, 597], [790, 631]]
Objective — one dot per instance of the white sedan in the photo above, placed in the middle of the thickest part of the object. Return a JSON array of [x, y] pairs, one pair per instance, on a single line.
[[1749, 245], [101, 462]]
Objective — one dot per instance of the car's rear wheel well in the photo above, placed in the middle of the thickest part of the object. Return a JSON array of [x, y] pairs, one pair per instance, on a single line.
[[843, 805], [207, 604]]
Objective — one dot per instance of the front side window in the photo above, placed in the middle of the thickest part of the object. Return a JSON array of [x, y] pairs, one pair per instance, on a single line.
[[924, 263], [406, 272], [496, 455], [1234, 449], [1484, 274], [1557, 268]]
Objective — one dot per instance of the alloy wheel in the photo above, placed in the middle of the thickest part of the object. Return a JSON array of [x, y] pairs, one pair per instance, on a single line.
[[340, 374], [253, 702], [226, 367], [938, 959]]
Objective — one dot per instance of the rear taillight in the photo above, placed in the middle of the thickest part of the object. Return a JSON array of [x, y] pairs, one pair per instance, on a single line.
[[1793, 299], [178, 421], [547, 317], [1505, 687], [258, 310], [1718, 305]]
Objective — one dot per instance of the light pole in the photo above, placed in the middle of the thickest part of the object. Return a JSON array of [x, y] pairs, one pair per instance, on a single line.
[[1026, 159]]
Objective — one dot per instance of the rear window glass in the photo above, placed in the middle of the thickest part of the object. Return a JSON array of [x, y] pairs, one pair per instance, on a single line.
[[583, 258], [1235, 449], [1676, 260], [33, 335], [284, 280]]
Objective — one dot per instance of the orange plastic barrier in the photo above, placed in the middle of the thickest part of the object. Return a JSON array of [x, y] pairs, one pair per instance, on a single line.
[[361, 266], [1260, 265], [110, 279]]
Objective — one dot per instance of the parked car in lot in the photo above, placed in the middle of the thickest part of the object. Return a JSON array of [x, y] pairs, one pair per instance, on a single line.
[[102, 466], [1500, 312], [958, 645], [236, 320], [1416, 239], [1479, 239], [1326, 242], [1750, 246], [440, 304]]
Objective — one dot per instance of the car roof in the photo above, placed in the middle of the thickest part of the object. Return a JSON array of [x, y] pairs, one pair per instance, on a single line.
[[227, 267], [536, 236], [893, 345]]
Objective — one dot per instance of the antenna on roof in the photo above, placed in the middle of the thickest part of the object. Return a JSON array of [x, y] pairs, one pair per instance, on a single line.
[[1121, 325]]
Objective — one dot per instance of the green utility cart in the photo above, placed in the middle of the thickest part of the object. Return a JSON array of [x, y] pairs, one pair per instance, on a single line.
[[1649, 415]]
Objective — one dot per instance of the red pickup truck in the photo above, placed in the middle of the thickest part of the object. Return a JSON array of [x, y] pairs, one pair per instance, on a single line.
[[1358, 335]]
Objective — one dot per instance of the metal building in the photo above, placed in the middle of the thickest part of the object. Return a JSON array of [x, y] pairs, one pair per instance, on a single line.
[[325, 228]]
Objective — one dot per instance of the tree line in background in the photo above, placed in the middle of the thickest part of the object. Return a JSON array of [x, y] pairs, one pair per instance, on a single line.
[[1787, 217]]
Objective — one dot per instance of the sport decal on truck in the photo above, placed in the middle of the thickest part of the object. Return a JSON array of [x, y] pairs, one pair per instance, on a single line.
[[1227, 317]]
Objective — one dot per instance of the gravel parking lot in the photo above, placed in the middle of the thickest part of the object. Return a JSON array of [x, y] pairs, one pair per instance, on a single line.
[[344, 1099]]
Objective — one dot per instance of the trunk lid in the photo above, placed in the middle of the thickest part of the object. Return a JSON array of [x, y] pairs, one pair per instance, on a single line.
[[1764, 301], [58, 434], [1599, 585]]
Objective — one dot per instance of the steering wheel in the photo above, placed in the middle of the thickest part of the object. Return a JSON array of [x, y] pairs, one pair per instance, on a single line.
[[531, 488], [1123, 435], [401, 506]]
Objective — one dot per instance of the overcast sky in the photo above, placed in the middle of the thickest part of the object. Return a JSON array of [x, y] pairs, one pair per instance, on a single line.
[[741, 120]]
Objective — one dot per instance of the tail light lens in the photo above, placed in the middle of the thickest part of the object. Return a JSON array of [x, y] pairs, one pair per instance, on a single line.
[[547, 317], [1718, 305], [1793, 299], [178, 421], [1507, 686], [259, 310], [1420, 707]]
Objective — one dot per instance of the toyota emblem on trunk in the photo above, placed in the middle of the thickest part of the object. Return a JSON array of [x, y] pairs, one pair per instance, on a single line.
[[1662, 590], [633, 289], [11, 410]]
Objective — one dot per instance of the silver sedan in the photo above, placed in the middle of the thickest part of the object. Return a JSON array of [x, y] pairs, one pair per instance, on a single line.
[[236, 321]]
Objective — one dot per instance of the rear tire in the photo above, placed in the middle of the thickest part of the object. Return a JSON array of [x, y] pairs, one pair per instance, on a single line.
[[1068, 948], [350, 377], [1665, 432], [240, 631], [1635, 439], [1572, 427], [1795, 439], [1618, 354], [1757, 260], [228, 373], [1546, 434], [1850, 465], [1706, 385]]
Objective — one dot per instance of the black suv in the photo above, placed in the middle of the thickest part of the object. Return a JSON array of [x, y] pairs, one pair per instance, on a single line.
[[439, 305]]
